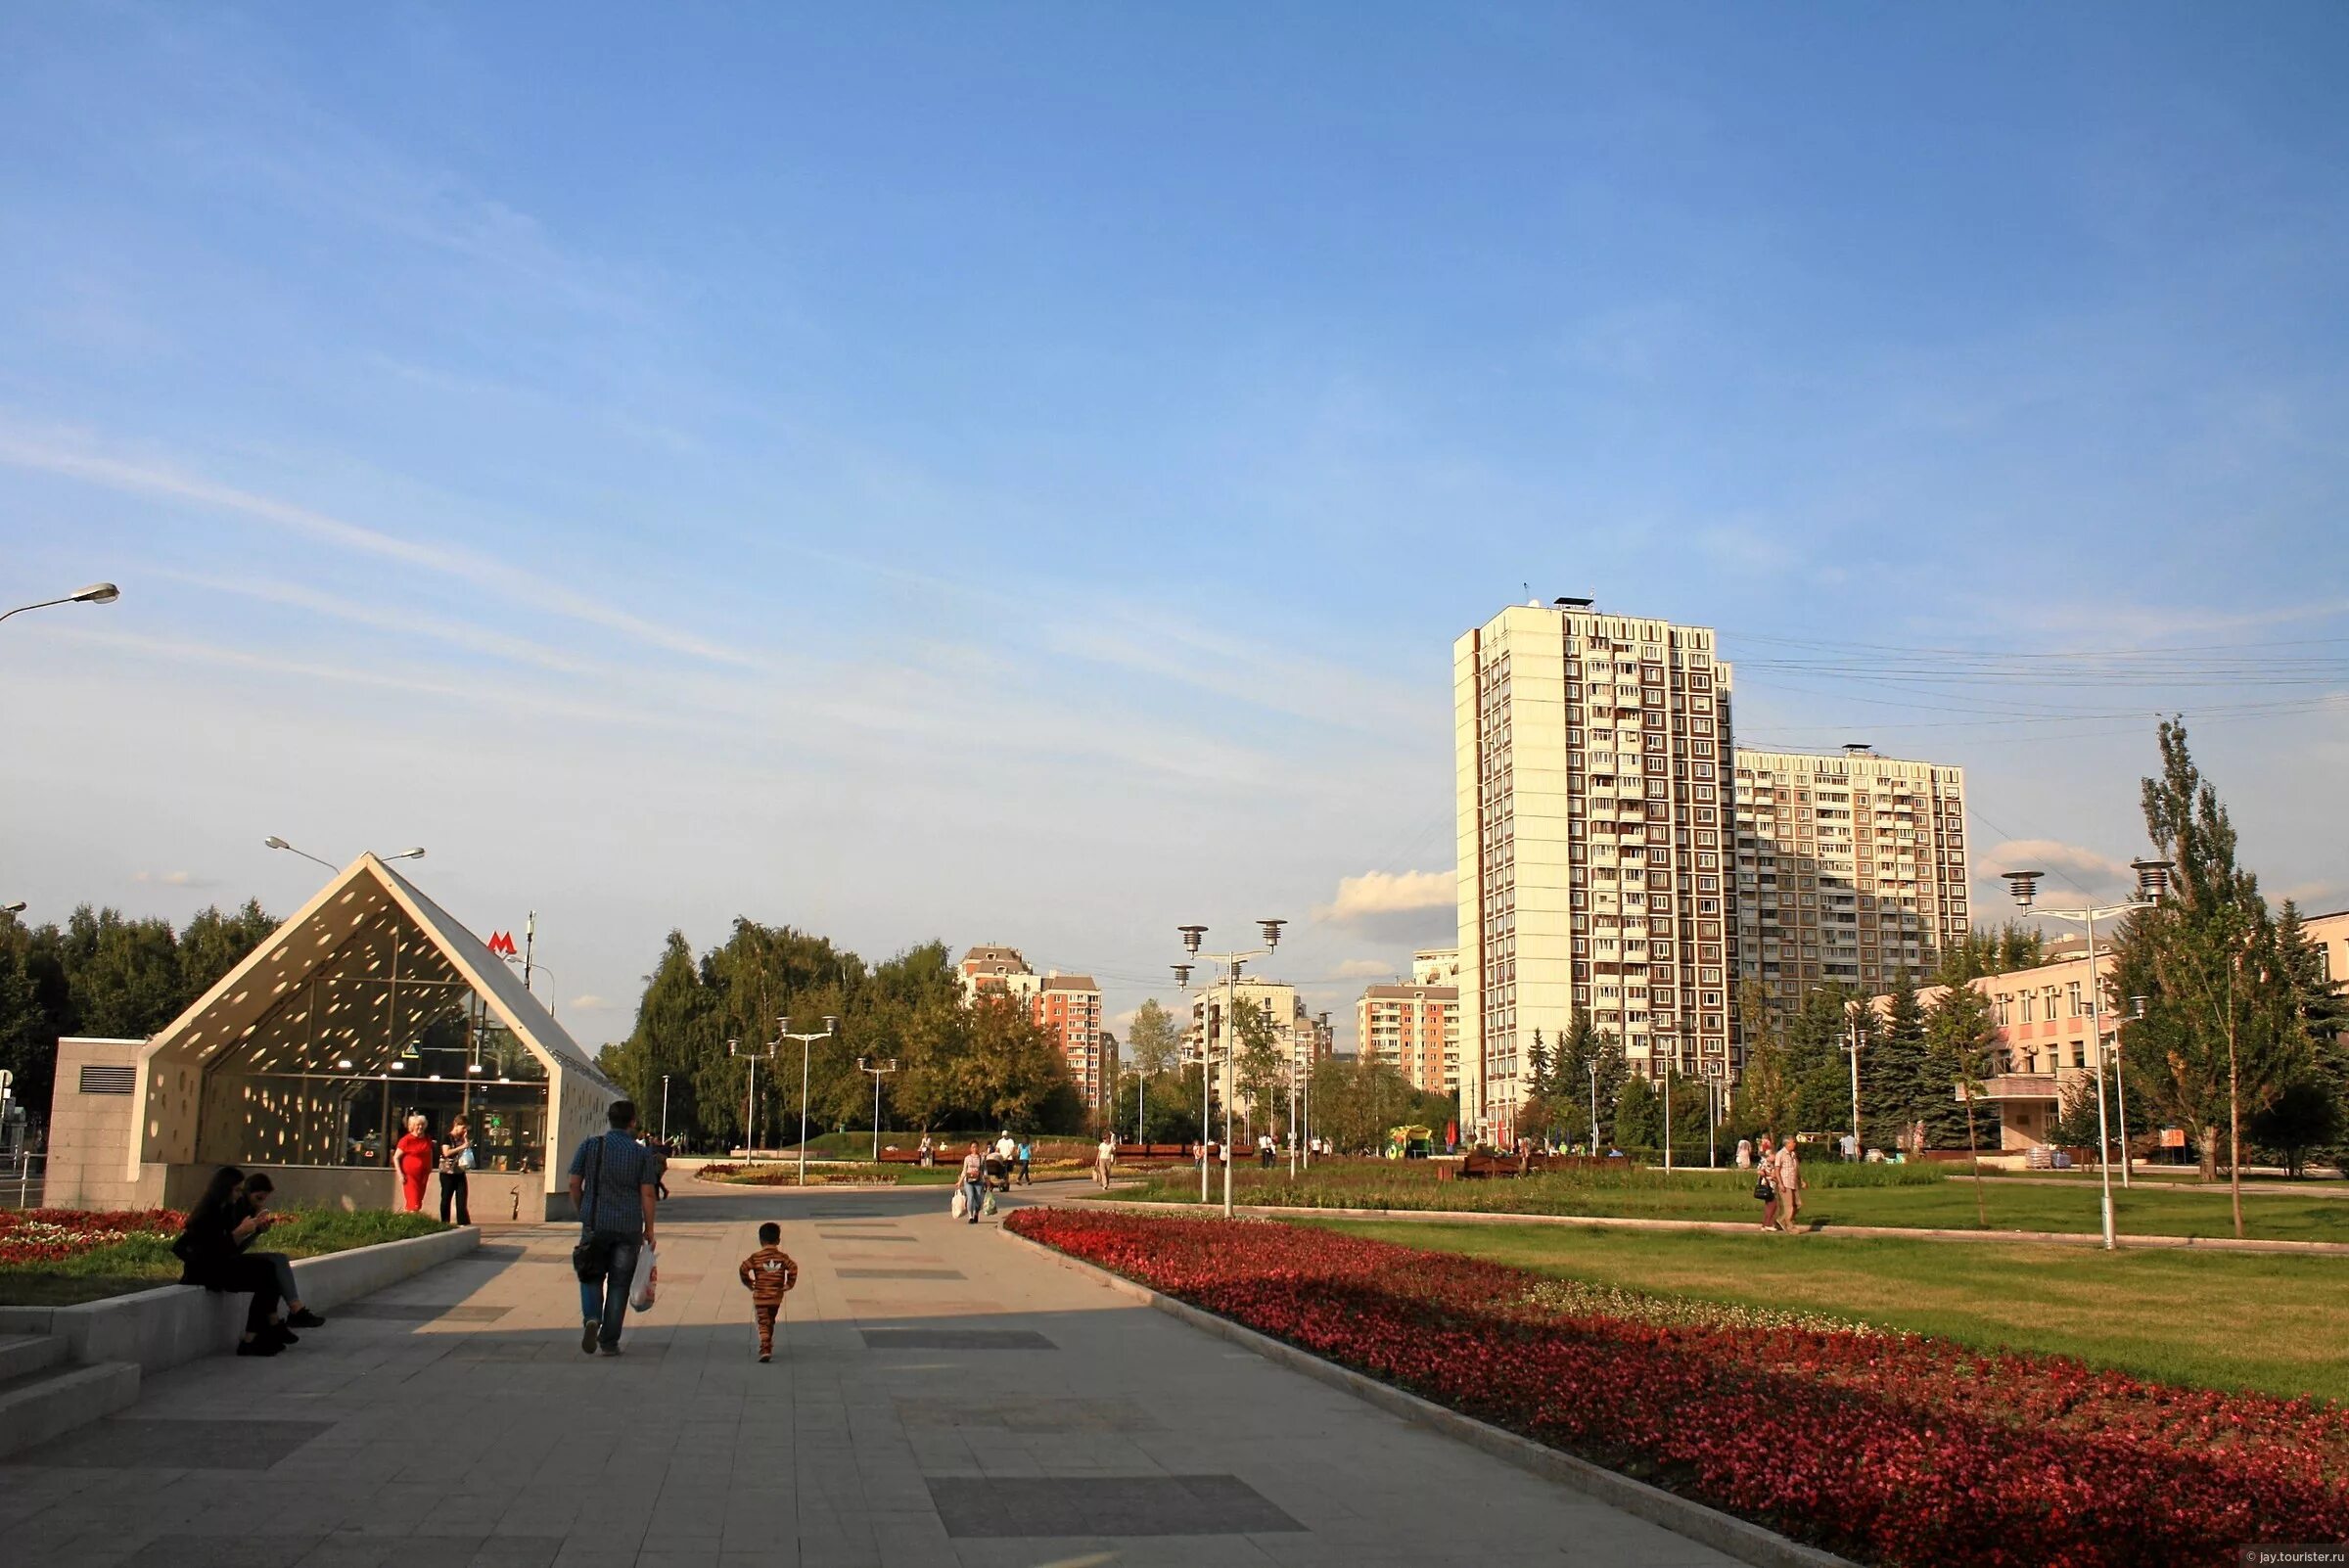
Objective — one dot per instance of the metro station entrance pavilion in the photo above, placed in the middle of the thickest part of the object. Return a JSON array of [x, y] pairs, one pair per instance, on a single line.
[[369, 1007]]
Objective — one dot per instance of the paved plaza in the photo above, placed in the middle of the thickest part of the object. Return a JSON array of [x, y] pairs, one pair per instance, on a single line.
[[940, 1396]]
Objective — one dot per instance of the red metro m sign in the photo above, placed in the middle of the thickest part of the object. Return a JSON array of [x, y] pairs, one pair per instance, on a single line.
[[502, 943]]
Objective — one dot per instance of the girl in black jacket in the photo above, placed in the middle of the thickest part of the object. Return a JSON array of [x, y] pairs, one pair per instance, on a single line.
[[209, 1251]]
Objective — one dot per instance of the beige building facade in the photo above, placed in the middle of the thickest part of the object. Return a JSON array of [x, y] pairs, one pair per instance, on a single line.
[[1595, 815], [1299, 1036], [1436, 966], [2044, 1040], [1851, 869], [1414, 1028]]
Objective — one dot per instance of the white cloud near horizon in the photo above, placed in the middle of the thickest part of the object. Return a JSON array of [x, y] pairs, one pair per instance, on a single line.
[[1374, 894], [1364, 969]]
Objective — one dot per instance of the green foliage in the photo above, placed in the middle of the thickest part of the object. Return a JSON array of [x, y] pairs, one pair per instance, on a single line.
[[104, 973], [1639, 1115], [1991, 951], [1356, 1101], [2226, 986], [1960, 1032], [1153, 1041], [1897, 1085], [962, 1068]]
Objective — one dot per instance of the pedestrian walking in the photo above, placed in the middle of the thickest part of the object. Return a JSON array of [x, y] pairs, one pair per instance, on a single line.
[[612, 1187], [1105, 1161], [412, 1156], [457, 1163], [928, 1152], [1265, 1151], [974, 1183], [1790, 1184], [1745, 1154], [769, 1274], [1026, 1151], [1766, 1183]]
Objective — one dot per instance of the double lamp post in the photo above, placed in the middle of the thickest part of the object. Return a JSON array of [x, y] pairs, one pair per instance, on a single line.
[[1192, 937]]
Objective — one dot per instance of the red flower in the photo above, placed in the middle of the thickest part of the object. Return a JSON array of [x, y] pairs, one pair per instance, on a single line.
[[1894, 1449]]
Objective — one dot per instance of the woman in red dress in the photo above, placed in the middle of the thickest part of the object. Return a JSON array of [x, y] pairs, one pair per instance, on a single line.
[[413, 1155]]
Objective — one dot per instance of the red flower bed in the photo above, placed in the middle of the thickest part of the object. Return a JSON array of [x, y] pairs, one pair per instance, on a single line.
[[50, 1236], [1890, 1449]]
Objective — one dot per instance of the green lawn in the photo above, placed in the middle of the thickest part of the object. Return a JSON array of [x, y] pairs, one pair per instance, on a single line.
[[1910, 1197], [145, 1260], [2256, 1321]]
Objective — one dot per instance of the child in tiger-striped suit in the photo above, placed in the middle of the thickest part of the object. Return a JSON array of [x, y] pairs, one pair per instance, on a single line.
[[767, 1273]]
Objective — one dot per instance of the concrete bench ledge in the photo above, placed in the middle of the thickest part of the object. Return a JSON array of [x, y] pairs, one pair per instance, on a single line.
[[172, 1325]]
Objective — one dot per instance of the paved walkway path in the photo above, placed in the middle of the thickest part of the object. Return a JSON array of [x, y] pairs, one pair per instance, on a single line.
[[939, 1397]]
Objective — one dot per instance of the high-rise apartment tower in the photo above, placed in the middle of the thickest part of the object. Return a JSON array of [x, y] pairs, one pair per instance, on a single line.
[[1594, 807], [1851, 870]]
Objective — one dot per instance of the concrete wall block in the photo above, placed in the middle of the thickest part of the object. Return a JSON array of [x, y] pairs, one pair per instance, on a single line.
[[173, 1324]]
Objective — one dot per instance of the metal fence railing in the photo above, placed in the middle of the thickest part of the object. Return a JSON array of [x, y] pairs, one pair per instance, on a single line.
[[22, 1181]]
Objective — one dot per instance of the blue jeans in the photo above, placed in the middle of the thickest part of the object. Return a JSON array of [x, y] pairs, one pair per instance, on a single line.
[[604, 1298], [976, 1192]]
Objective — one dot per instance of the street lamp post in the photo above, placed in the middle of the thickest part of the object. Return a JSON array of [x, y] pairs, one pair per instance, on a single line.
[[1670, 1069], [95, 593], [1859, 1038], [1182, 986], [1593, 1106], [749, 1102], [831, 1030], [1231, 962], [2152, 882], [878, 1070]]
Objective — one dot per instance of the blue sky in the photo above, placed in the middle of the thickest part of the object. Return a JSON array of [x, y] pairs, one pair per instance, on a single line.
[[1015, 472]]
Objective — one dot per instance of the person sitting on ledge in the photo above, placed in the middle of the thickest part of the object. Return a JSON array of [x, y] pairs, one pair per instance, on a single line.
[[256, 1194], [209, 1249]]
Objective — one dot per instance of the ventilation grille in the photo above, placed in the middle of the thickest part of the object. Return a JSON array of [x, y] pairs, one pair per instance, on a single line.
[[108, 1080]]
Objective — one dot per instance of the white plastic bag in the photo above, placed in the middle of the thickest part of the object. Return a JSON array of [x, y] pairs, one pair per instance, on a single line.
[[961, 1206], [648, 1279]]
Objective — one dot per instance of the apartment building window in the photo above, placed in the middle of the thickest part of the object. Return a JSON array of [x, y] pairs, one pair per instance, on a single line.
[[2000, 1006], [2076, 1009], [2029, 998]]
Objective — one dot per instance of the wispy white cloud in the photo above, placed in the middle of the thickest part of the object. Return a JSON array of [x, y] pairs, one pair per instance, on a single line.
[[79, 459], [174, 878], [1364, 969]]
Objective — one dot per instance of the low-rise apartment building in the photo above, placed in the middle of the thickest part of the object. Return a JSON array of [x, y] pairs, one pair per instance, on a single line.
[[1069, 1005]]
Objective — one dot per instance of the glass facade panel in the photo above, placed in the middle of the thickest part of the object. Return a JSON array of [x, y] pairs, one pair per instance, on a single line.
[[384, 1029]]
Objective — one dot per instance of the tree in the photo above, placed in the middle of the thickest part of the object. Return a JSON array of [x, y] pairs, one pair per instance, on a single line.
[[1153, 1041], [2312, 1109], [1639, 1117], [2225, 1029], [1960, 1035], [1991, 951], [1764, 1100], [1817, 1061], [1014, 1074], [1895, 1084], [1260, 1072]]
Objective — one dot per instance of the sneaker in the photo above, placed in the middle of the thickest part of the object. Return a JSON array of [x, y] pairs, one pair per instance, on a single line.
[[587, 1332], [257, 1346], [305, 1319], [285, 1335], [608, 1350], [766, 1356]]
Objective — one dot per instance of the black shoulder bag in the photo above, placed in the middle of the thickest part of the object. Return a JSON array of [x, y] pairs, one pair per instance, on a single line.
[[591, 1258]]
